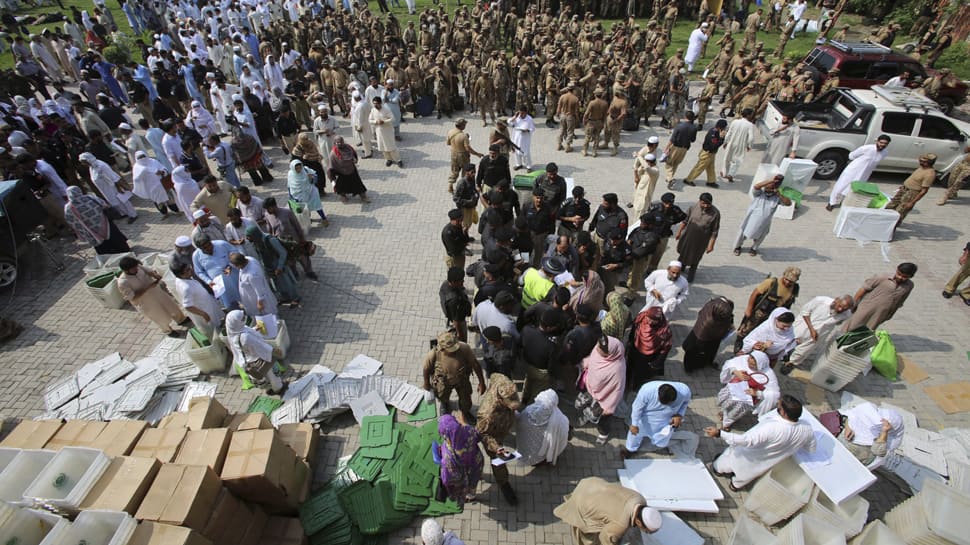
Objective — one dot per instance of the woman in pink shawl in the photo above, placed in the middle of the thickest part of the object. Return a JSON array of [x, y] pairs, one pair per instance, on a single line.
[[651, 340], [604, 379]]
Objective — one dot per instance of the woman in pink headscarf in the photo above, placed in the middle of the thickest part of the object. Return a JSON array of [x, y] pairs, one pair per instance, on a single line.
[[603, 379]]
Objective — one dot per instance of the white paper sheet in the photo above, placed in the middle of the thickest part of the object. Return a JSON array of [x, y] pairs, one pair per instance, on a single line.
[[515, 455], [739, 392], [370, 404], [563, 278], [218, 286], [360, 367]]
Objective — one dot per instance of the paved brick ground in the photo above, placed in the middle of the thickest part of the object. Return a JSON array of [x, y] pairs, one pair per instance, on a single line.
[[380, 267]]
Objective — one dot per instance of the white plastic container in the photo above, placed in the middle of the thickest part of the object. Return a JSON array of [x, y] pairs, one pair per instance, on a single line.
[[877, 533], [780, 493], [908, 520], [109, 295], [104, 263], [798, 173], [7, 455], [749, 532], [835, 369], [209, 359], [805, 530], [30, 527], [850, 515], [20, 472], [6, 511], [281, 343], [95, 527], [302, 213], [67, 479], [947, 511]]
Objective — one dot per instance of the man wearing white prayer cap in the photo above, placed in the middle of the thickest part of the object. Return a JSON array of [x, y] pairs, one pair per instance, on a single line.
[[645, 176], [666, 288], [601, 512], [433, 534]]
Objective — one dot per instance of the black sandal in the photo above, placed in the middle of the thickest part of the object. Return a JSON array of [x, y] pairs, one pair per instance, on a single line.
[[737, 251]]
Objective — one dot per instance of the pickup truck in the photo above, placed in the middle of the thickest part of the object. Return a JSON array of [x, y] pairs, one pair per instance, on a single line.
[[842, 119]]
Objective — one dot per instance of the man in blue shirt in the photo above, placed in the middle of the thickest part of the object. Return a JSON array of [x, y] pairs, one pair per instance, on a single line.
[[657, 414]]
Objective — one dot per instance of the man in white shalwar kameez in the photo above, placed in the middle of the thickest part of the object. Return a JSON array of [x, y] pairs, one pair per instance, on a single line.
[[200, 306], [862, 162], [359, 118], [255, 294], [737, 141], [382, 120], [666, 289], [694, 46], [108, 183], [777, 436], [522, 126], [273, 74], [146, 176], [816, 320]]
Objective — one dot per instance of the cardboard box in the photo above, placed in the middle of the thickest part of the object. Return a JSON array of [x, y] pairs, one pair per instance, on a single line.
[[160, 443], [283, 531], [181, 495], [32, 434], [259, 467], [257, 523], [120, 436], [229, 520], [205, 413], [303, 439], [205, 448], [76, 433], [153, 533], [124, 485], [247, 421], [174, 420]]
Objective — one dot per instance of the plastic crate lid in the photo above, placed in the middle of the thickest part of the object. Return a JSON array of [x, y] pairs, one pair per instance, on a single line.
[[377, 431]]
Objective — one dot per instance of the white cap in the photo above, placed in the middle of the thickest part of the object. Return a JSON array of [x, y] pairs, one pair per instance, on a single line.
[[653, 140], [651, 518], [183, 242], [673, 263], [198, 214], [650, 157], [704, 25], [125, 127]]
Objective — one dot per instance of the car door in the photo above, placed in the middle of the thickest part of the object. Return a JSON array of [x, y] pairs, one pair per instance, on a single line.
[[882, 71], [901, 127], [852, 74], [937, 134]]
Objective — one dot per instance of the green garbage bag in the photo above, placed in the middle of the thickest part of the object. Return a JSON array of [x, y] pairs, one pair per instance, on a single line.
[[883, 355]]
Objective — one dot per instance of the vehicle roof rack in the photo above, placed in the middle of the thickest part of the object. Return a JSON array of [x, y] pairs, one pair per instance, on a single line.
[[905, 98], [860, 47]]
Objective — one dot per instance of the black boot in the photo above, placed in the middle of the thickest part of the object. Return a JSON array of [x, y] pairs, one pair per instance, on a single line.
[[267, 176], [254, 174]]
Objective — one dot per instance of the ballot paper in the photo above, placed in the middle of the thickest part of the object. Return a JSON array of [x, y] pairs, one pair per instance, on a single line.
[[218, 286], [510, 456], [739, 392], [564, 278]]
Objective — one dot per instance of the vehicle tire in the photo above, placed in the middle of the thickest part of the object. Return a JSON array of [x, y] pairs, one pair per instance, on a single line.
[[830, 164], [946, 105], [942, 179], [8, 271]]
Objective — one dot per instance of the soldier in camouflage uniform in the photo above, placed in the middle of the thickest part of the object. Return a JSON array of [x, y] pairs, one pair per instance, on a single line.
[[593, 121], [705, 98]]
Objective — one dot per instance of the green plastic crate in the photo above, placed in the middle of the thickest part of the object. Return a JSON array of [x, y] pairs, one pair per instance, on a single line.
[[265, 405], [200, 338], [102, 280], [793, 194], [526, 181]]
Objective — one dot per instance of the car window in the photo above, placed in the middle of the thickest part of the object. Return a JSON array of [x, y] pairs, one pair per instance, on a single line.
[[821, 60], [854, 70], [914, 69], [882, 71], [937, 128], [898, 123]]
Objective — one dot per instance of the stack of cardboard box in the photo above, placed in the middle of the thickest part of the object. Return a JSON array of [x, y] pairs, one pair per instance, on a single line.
[[202, 477]]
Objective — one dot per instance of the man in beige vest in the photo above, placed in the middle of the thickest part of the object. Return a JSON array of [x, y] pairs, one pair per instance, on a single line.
[[601, 512]]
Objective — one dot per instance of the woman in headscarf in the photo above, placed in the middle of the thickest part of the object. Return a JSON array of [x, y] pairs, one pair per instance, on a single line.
[[147, 174], [617, 317], [432, 534], [871, 433], [201, 120], [307, 152], [774, 336], [461, 458], [272, 255], [301, 188], [760, 395], [604, 379], [109, 184], [542, 430], [252, 355], [249, 156], [343, 166], [590, 291], [651, 340], [85, 215], [714, 321], [186, 189]]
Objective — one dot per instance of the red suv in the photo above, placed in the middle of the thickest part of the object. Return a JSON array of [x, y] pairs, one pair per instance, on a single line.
[[862, 65]]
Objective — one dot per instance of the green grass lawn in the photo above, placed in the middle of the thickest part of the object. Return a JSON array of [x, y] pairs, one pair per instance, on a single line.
[[796, 49]]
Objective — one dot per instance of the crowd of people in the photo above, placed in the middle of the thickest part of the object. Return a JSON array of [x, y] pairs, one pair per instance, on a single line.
[[557, 280]]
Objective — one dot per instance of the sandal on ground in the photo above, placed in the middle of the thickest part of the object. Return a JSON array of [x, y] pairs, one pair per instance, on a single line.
[[737, 251], [752, 252]]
